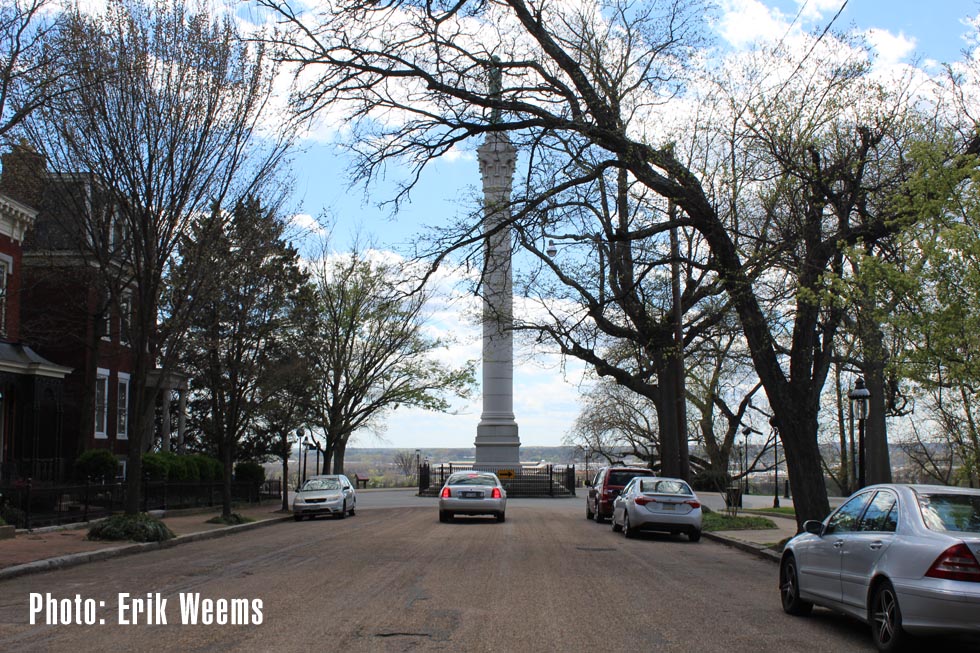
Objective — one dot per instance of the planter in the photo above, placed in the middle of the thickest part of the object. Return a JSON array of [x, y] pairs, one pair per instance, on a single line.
[[7, 532]]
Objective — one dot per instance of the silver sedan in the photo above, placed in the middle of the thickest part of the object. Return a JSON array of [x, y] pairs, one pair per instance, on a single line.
[[657, 504], [902, 558], [328, 494], [472, 493]]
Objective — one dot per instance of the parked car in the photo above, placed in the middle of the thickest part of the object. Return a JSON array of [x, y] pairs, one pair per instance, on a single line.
[[330, 494], [472, 493], [657, 504], [902, 558], [608, 483]]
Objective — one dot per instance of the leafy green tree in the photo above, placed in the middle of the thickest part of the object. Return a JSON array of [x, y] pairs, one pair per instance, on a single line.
[[370, 352], [249, 302]]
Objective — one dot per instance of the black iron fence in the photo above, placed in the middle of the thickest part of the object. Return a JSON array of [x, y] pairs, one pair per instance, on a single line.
[[29, 506], [520, 482]]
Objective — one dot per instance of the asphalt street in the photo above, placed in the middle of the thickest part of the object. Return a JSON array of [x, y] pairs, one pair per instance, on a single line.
[[395, 579]]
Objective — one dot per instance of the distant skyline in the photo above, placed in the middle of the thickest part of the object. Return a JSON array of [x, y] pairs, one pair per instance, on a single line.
[[902, 32]]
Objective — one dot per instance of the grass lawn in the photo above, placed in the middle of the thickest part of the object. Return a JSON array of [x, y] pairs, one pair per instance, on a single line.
[[719, 521], [789, 511]]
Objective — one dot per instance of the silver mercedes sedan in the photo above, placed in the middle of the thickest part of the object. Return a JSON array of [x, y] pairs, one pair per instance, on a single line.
[[657, 504], [902, 558], [472, 493]]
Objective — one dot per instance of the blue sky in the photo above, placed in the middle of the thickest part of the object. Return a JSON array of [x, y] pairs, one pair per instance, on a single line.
[[902, 32]]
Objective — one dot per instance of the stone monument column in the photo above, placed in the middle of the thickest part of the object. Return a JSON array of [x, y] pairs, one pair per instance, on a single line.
[[497, 442]]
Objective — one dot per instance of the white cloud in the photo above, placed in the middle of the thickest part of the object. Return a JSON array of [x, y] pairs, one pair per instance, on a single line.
[[746, 22], [890, 48]]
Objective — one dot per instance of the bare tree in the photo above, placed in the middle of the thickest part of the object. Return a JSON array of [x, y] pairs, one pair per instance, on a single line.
[[776, 171], [161, 105], [406, 462], [28, 75]]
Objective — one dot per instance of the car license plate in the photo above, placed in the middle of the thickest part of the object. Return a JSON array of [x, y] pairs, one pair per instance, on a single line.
[[668, 506], [471, 495]]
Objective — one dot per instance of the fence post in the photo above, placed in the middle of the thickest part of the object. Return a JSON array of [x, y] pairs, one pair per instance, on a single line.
[[88, 479], [551, 481], [27, 507]]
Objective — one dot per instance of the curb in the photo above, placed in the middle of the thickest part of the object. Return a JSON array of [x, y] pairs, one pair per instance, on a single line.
[[759, 551], [76, 559]]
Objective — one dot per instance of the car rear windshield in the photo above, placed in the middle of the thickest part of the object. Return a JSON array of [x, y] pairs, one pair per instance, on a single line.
[[951, 512], [623, 476], [661, 486], [472, 480]]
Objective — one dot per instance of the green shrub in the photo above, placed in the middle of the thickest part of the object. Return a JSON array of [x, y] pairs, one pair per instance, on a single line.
[[138, 528], [208, 468], [156, 467], [12, 515], [181, 469], [250, 472], [96, 464]]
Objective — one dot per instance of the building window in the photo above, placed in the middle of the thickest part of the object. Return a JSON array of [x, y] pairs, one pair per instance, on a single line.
[[4, 274], [125, 318], [105, 319], [101, 403], [122, 408]]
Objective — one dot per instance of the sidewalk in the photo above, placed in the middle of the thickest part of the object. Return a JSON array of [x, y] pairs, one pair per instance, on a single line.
[[759, 542], [60, 547]]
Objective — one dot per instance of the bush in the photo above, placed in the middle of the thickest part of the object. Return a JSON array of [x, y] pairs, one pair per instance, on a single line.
[[138, 528], [12, 515], [250, 472], [208, 468], [99, 465], [181, 469], [156, 467], [234, 519]]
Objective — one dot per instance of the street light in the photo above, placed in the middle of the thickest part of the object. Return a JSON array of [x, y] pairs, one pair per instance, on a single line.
[[745, 434], [300, 435], [775, 463], [859, 397]]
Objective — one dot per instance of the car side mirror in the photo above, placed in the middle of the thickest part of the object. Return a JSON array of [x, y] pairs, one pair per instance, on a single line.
[[813, 527]]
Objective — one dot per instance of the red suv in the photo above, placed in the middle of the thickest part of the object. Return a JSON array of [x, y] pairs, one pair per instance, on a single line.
[[608, 483]]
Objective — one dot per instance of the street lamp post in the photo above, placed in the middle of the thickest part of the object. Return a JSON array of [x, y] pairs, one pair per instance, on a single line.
[[300, 436], [859, 397], [306, 449], [775, 466], [745, 476]]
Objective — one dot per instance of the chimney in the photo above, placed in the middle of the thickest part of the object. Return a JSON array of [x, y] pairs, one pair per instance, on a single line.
[[24, 172]]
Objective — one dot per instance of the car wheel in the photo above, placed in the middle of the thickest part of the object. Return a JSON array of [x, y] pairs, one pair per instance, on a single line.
[[616, 527], [500, 517], [352, 508], [886, 619], [627, 531], [588, 510], [694, 535], [298, 517], [343, 512], [598, 515], [789, 589], [443, 516]]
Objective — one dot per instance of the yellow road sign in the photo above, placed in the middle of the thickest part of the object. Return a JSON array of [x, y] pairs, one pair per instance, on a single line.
[[505, 473]]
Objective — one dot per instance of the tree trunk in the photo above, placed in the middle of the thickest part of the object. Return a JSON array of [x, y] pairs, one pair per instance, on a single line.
[[285, 471], [226, 459], [798, 433], [878, 464]]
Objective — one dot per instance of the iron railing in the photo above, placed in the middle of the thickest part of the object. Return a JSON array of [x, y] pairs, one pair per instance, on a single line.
[[27, 505], [520, 482]]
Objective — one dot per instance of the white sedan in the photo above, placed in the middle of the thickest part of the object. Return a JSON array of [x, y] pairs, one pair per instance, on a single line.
[[472, 493], [902, 558]]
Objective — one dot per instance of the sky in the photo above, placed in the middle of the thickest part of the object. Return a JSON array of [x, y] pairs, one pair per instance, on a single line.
[[546, 394]]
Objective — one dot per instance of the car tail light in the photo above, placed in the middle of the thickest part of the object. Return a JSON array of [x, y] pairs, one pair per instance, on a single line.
[[694, 504], [445, 493], [956, 563], [495, 494], [644, 500]]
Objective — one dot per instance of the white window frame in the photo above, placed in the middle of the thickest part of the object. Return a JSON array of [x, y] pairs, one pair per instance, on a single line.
[[125, 317], [107, 319], [122, 407], [6, 270], [102, 378]]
